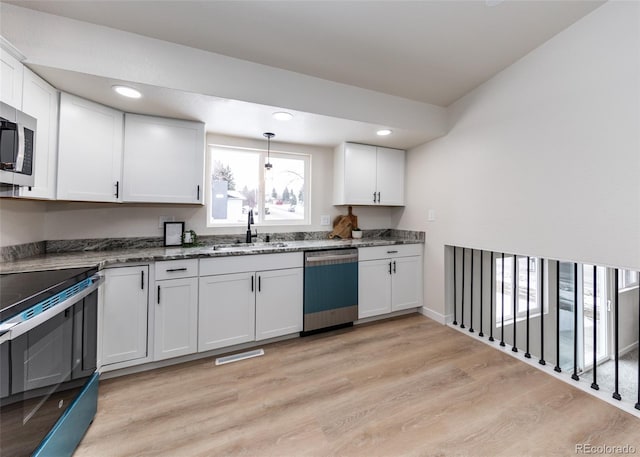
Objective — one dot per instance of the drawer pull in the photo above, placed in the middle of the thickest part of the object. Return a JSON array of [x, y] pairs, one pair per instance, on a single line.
[[392, 252], [171, 270]]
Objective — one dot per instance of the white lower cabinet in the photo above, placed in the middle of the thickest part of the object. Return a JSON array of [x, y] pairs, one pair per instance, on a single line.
[[374, 288], [176, 308], [176, 318], [279, 305], [389, 279], [227, 310], [248, 305], [406, 283], [123, 314]]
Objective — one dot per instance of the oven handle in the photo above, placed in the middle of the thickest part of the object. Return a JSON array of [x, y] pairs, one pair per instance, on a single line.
[[20, 328]]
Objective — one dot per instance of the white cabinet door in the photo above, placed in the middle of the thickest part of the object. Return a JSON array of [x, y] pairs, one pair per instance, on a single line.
[[40, 100], [226, 310], [406, 283], [279, 306], [176, 318], [11, 71], [390, 176], [368, 175], [359, 174], [123, 314], [163, 160], [90, 151], [374, 288]]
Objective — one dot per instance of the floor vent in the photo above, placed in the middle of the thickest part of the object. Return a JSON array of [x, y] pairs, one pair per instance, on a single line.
[[240, 356]]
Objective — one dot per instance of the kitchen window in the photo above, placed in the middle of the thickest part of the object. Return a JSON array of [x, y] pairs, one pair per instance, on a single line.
[[239, 182]]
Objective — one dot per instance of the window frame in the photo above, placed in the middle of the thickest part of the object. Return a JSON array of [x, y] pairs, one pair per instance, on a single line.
[[627, 284], [261, 200]]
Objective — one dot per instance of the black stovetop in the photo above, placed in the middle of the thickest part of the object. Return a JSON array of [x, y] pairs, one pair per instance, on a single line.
[[20, 291]]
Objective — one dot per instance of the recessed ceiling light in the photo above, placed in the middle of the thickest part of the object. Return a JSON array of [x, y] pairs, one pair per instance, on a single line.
[[127, 91], [283, 116], [383, 132]]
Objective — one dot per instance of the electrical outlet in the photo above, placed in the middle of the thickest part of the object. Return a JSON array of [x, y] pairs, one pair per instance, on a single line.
[[163, 219], [325, 219]]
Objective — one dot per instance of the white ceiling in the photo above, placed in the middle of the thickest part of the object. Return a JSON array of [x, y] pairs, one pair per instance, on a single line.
[[428, 51]]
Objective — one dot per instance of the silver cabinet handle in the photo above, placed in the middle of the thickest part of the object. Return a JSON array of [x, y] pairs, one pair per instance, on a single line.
[[158, 294], [379, 197], [389, 267], [171, 270], [394, 266], [392, 252], [374, 197]]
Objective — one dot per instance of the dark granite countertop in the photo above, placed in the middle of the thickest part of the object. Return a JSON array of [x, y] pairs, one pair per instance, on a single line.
[[102, 259]]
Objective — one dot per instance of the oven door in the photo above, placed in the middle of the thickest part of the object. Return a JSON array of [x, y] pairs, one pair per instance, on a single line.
[[42, 371]]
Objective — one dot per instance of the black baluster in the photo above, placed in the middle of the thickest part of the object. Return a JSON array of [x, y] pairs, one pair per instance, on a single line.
[[637, 406], [575, 376], [462, 310], [492, 320], [471, 297], [527, 354], [502, 304], [515, 290], [542, 361], [616, 394], [557, 367], [594, 384], [481, 288], [455, 302]]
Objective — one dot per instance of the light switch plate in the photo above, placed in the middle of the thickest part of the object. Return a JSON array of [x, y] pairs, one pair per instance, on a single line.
[[325, 219], [163, 219], [431, 215]]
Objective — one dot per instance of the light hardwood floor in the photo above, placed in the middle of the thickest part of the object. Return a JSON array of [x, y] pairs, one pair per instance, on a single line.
[[406, 386]]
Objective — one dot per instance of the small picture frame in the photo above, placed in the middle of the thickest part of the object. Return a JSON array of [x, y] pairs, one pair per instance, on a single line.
[[173, 233]]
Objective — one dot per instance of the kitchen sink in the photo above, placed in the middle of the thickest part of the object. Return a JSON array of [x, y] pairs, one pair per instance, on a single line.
[[247, 247]]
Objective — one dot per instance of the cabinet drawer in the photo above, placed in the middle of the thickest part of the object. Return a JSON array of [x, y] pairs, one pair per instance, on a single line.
[[243, 263], [172, 269], [385, 252]]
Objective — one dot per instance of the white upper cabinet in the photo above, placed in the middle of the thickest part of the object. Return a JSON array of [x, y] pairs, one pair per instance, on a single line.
[[90, 151], [163, 160], [40, 100], [368, 175], [11, 71], [390, 176]]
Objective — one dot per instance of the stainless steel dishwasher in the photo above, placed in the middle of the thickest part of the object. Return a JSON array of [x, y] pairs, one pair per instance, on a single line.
[[330, 289]]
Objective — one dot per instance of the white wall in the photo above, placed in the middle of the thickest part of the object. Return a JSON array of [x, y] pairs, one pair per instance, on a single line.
[[21, 221], [543, 159], [73, 220]]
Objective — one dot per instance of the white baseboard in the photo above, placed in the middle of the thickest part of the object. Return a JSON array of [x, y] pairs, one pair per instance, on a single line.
[[436, 316], [626, 349]]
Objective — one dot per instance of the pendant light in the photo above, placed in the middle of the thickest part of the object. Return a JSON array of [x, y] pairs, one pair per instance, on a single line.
[[268, 135]]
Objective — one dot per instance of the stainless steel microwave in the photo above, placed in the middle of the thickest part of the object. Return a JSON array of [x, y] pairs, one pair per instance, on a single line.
[[17, 146]]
